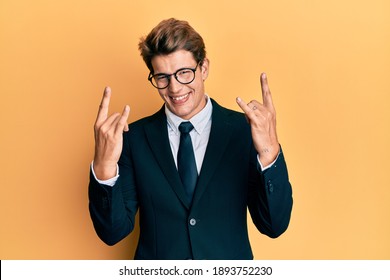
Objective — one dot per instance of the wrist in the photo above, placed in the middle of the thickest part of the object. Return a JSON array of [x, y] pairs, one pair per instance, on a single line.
[[267, 155], [104, 171]]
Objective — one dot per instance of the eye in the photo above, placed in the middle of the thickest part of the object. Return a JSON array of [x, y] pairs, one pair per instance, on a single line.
[[184, 72], [160, 77]]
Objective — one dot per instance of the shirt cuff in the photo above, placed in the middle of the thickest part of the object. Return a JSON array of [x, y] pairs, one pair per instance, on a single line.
[[109, 182], [264, 168]]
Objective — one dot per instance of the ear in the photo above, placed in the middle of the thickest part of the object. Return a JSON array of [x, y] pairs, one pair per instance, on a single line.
[[205, 68]]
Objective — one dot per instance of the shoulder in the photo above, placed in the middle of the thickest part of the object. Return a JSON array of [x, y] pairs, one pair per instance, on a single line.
[[137, 129], [230, 116], [159, 117]]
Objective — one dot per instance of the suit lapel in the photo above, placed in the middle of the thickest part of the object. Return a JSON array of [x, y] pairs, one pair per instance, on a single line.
[[219, 138], [157, 135]]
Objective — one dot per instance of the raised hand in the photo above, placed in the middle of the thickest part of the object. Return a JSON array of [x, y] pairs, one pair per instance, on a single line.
[[108, 138], [262, 119]]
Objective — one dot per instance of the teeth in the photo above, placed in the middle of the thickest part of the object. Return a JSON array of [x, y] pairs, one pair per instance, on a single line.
[[180, 97]]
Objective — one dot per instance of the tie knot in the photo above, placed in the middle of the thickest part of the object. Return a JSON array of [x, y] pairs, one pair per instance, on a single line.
[[185, 127]]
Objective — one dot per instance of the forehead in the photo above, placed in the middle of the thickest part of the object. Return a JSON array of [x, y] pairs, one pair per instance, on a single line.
[[171, 62]]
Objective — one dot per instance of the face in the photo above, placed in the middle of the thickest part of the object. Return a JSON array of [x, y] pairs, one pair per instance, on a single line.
[[185, 101]]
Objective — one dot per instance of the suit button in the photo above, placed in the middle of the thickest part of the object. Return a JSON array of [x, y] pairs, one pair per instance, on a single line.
[[270, 186], [192, 222]]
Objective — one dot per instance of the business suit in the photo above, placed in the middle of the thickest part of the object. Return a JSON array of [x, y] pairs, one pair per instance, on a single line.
[[214, 224]]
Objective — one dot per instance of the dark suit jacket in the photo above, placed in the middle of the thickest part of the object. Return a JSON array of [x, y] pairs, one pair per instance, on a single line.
[[214, 225]]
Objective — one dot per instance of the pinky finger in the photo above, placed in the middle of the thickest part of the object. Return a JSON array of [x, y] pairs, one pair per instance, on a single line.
[[122, 123]]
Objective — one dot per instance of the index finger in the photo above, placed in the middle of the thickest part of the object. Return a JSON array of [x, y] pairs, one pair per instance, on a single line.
[[103, 107], [266, 93]]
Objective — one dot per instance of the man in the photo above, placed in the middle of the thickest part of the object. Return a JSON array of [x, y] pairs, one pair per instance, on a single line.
[[192, 188]]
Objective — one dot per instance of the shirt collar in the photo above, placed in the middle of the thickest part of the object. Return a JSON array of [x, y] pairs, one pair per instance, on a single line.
[[199, 121]]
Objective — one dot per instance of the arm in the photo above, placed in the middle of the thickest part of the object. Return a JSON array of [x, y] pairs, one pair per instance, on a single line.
[[270, 198], [270, 194], [112, 209]]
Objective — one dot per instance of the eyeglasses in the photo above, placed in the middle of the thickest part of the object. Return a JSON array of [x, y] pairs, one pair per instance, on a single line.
[[183, 76]]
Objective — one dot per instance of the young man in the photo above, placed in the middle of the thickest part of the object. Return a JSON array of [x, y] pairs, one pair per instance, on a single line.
[[193, 168]]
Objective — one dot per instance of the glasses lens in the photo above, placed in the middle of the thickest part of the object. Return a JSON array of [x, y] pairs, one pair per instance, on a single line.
[[185, 76], [160, 81]]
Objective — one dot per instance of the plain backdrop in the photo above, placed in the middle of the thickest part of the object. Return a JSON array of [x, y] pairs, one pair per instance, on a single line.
[[328, 66]]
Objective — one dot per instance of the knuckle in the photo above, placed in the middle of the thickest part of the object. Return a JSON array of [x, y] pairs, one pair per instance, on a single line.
[[251, 114], [104, 130]]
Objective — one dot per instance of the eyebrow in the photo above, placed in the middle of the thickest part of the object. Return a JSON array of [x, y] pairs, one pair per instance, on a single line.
[[166, 74]]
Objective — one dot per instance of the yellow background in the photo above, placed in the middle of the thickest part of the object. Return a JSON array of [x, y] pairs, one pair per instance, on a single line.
[[328, 65]]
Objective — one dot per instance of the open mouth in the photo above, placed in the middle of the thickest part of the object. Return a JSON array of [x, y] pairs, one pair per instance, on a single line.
[[180, 99]]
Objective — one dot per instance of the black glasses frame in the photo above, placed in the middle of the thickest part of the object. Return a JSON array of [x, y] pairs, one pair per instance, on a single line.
[[168, 76]]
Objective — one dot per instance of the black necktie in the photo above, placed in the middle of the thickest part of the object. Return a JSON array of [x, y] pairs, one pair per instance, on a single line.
[[186, 164]]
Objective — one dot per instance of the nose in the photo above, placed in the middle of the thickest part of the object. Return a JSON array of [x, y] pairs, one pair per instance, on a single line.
[[174, 85]]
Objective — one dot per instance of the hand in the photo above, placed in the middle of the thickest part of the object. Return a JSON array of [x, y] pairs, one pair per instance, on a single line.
[[108, 138], [262, 119]]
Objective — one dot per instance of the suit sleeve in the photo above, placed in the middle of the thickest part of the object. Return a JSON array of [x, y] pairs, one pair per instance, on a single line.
[[270, 198], [113, 209]]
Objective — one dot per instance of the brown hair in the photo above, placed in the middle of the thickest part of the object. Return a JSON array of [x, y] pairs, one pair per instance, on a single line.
[[169, 36]]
